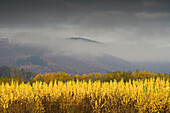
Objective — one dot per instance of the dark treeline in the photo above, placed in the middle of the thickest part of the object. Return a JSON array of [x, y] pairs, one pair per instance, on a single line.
[[12, 72]]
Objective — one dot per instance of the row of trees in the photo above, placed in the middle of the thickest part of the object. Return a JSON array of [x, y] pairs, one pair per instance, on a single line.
[[51, 77], [8, 73], [97, 76]]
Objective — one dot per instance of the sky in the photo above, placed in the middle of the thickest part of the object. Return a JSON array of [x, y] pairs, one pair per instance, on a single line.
[[136, 30]]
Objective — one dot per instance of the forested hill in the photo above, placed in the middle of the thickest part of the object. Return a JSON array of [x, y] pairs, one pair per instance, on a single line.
[[10, 52]]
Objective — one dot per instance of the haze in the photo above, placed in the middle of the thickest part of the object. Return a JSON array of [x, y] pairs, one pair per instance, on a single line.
[[133, 30]]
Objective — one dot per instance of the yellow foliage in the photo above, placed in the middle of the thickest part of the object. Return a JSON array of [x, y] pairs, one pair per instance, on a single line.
[[48, 77], [150, 95]]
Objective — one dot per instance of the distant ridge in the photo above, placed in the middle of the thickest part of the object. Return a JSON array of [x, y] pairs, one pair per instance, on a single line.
[[83, 39]]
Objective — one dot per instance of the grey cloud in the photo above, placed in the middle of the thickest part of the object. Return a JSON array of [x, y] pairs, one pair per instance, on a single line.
[[152, 15], [36, 12], [123, 22]]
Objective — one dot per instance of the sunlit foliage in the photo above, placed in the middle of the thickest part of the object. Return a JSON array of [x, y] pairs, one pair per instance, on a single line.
[[148, 95], [48, 77]]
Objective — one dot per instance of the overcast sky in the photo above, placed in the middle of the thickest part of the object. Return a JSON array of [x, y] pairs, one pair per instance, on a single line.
[[137, 24]]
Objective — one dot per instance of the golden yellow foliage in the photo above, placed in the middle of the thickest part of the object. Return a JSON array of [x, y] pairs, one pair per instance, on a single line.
[[150, 95], [48, 77]]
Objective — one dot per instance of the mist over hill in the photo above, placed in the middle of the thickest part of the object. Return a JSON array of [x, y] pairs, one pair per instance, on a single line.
[[41, 60], [76, 55]]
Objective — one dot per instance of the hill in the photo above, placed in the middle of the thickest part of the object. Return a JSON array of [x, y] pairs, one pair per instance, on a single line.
[[83, 39]]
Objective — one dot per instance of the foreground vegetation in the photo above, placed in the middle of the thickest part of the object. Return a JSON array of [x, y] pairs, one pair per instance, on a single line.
[[149, 95]]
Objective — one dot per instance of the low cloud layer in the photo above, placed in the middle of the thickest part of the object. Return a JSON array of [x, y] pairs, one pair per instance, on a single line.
[[133, 30]]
